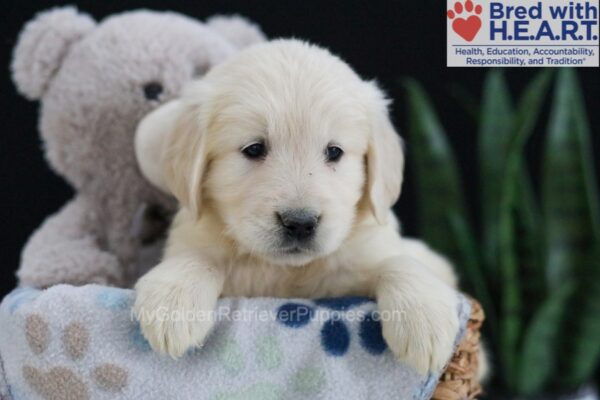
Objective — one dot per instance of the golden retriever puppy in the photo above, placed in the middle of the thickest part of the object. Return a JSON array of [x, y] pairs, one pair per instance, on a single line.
[[286, 165]]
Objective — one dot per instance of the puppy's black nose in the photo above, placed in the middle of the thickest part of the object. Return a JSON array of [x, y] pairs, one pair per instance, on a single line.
[[299, 224]]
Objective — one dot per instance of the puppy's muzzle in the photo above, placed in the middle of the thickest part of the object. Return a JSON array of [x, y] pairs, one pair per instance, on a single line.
[[298, 225]]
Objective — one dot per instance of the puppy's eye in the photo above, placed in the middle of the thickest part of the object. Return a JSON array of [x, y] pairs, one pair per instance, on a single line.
[[152, 90], [333, 153], [255, 151]]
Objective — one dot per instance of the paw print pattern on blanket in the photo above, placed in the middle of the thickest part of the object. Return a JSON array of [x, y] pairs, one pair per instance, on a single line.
[[60, 382], [335, 335], [268, 356]]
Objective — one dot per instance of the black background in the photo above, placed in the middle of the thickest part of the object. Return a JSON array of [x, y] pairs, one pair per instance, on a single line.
[[382, 39]]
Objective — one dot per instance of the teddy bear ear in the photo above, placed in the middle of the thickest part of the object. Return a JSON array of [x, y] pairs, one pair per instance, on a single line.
[[237, 29], [42, 45]]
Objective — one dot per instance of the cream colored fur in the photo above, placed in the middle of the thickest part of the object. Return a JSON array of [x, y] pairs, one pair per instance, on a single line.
[[299, 99]]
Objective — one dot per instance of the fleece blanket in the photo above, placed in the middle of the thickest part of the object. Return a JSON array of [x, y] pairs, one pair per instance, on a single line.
[[83, 343]]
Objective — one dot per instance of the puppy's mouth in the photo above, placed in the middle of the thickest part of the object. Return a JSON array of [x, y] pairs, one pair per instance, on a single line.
[[290, 246], [295, 254], [296, 250]]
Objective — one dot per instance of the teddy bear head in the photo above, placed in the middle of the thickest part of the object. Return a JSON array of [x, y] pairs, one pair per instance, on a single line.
[[96, 80]]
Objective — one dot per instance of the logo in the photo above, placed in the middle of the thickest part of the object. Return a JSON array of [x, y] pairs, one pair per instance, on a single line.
[[522, 33], [467, 27]]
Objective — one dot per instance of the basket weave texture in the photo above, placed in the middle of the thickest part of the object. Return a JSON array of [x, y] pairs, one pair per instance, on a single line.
[[460, 380]]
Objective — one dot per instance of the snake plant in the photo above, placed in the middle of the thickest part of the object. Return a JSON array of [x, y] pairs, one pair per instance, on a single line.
[[533, 261]]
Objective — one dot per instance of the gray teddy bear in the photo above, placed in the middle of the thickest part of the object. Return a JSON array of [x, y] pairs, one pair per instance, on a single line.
[[95, 81]]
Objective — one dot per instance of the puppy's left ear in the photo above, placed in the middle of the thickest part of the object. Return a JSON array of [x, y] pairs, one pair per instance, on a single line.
[[385, 159]]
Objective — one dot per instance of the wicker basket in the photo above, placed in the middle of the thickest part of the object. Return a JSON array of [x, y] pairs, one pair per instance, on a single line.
[[460, 379]]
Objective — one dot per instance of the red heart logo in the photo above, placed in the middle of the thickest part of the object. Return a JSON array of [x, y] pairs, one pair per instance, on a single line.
[[467, 28]]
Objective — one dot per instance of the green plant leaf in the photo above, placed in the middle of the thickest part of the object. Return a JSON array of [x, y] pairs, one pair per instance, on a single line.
[[583, 353], [569, 195], [438, 187], [496, 124], [571, 213], [537, 363], [511, 293], [499, 125], [529, 247]]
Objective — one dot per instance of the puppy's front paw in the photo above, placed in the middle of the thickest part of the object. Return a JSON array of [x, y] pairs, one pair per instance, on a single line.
[[172, 317], [422, 327]]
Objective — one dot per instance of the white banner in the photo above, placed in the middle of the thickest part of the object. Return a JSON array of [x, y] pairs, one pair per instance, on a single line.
[[522, 33]]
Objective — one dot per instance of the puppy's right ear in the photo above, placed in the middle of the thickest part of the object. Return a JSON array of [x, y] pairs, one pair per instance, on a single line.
[[171, 152], [42, 46]]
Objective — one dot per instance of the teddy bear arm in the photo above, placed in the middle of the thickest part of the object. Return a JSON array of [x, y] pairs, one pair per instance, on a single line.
[[64, 249]]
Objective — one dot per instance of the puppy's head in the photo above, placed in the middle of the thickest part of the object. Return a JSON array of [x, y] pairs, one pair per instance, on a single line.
[[284, 143]]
